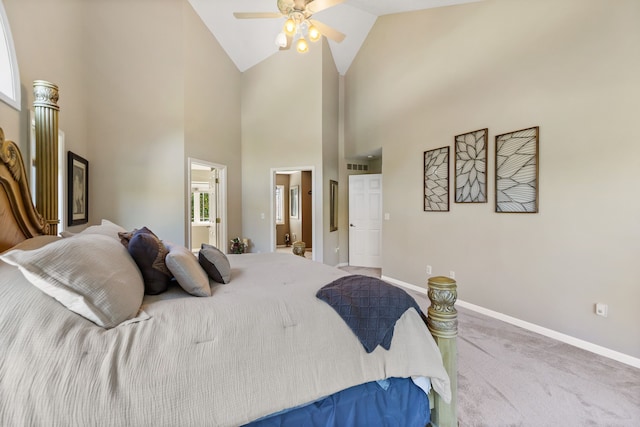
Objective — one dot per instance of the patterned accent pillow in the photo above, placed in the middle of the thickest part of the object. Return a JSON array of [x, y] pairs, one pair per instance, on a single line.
[[215, 263], [149, 253], [125, 236]]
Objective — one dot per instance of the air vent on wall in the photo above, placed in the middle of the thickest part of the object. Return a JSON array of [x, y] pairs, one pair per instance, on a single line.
[[356, 167]]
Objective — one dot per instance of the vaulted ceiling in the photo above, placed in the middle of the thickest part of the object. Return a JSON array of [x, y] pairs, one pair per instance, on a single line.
[[250, 41]]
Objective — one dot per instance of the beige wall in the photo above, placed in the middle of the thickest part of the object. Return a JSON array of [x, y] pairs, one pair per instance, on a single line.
[[330, 151], [282, 127], [132, 101], [571, 67], [136, 106], [212, 110], [49, 46]]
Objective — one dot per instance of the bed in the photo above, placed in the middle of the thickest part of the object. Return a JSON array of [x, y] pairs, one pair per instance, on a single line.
[[261, 350]]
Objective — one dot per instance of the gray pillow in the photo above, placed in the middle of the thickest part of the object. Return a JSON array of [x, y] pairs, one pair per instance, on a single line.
[[184, 266], [91, 275], [215, 263]]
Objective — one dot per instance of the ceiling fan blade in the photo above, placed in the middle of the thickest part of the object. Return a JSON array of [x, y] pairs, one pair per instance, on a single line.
[[327, 31], [256, 15], [316, 6]]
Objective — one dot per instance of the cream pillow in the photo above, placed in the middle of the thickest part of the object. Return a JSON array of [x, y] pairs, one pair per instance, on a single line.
[[106, 228], [187, 270], [91, 275]]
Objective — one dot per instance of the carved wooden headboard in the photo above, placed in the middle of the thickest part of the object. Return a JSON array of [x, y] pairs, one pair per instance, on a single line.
[[19, 219]]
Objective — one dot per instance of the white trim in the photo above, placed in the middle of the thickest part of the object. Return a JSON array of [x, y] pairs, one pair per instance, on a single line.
[[567, 339], [404, 284], [13, 63], [222, 200]]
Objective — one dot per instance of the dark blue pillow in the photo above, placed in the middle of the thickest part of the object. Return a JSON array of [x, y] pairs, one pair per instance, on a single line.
[[149, 253]]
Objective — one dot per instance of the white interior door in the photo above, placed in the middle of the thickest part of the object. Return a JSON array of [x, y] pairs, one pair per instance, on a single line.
[[365, 220]]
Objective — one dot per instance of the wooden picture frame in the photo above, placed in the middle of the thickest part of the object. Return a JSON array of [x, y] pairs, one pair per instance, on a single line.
[[333, 205], [77, 189], [436, 180], [294, 202], [471, 167], [517, 171]]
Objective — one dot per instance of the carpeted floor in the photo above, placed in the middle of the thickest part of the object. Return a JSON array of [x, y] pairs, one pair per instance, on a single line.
[[508, 376]]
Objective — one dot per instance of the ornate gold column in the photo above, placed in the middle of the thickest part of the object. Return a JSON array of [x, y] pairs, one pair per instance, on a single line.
[[46, 114], [442, 321]]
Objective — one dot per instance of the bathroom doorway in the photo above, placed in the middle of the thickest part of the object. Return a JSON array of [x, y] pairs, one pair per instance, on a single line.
[[206, 205]]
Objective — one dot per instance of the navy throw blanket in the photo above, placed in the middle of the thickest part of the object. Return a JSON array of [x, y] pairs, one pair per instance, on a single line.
[[369, 306]]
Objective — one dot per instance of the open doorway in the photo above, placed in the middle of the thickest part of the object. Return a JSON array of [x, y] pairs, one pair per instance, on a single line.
[[206, 205], [293, 209]]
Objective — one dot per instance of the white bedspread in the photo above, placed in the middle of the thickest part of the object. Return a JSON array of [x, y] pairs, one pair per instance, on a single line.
[[260, 344]]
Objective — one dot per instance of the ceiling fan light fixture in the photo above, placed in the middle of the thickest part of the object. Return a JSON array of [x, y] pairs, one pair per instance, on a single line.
[[290, 27], [314, 34], [281, 39], [302, 46]]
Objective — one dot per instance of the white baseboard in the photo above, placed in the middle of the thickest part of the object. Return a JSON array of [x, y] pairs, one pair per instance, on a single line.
[[567, 339], [342, 264]]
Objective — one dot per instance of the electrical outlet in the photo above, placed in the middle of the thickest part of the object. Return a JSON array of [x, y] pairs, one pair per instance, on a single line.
[[428, 269], [452, 274], [337, 249], [602, 309]]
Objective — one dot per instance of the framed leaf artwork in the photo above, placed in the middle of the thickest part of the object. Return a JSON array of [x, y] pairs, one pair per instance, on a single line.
[[471, 167], [517, 171], [436, 180]]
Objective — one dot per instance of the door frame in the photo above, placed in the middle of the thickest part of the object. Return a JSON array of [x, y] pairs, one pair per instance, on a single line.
[[221, 201], [316, 254]]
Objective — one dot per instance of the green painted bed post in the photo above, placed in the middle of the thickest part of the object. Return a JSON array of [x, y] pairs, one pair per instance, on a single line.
[[46, 109], [442, 321]]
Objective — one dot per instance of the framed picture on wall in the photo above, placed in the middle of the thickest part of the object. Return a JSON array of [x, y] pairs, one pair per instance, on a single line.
[[333, 205], [471, 167], [517, 171], [77, 189], [294, 202], [436, 180]]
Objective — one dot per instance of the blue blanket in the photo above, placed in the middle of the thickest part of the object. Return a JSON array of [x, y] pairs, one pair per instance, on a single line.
[[391, 402], [369, 306]]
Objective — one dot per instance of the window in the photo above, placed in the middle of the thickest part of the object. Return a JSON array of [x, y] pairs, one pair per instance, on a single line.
[[9, 74], [279, 204], [200, 206]]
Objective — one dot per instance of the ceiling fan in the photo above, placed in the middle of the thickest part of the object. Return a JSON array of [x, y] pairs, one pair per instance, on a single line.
[[298, 25]]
